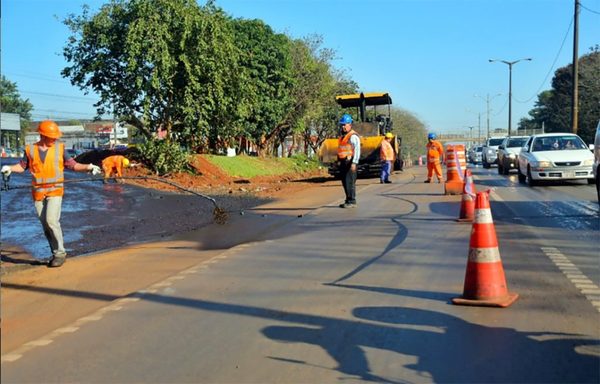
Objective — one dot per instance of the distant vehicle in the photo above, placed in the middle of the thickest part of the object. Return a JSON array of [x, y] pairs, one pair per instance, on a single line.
[[490, 151], [597, 160], [508, 152], [475, 154], [555, 156]]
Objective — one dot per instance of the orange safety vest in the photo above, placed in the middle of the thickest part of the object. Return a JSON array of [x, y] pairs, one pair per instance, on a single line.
[[434, 151], [46, 177], [345, 150], [386, 152]]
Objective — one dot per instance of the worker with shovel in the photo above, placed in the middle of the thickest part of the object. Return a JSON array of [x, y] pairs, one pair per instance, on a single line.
[[46, 160]]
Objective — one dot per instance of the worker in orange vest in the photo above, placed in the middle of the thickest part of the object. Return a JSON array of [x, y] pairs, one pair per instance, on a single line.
[[114, 164], [387, 157], [46, 160], [435, 155], [348, 154]]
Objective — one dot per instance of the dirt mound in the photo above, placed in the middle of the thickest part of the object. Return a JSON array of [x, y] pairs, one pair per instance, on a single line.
[[211, 180]]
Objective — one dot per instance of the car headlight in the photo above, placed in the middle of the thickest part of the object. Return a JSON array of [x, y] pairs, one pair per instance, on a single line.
[[541, 164], [588, 162], [512, 156]]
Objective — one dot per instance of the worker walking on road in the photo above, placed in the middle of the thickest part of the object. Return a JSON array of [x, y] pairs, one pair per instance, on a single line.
[[114, 164], [46, 160], [348, 155], [387, 157], [435, 155]]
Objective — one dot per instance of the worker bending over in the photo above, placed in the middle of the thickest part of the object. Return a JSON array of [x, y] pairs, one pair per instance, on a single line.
[[114, 164]]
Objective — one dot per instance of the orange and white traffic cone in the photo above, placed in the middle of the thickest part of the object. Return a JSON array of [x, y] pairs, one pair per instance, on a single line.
[[485, 283], [467, 204]]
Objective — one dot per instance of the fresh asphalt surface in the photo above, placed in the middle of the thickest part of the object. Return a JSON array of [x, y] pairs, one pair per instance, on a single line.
[[356, 295]]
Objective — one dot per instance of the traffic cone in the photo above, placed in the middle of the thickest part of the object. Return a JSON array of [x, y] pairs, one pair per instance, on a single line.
[[467, 204], [454, 165], [485, 283]]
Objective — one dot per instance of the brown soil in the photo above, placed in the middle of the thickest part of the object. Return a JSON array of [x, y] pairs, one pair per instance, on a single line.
[[211, 180]]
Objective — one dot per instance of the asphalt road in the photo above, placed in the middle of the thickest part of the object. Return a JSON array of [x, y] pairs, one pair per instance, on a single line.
[[351, 294]]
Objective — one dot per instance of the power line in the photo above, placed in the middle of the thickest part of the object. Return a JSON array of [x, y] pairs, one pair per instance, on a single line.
[[61, 96], [551, 67], [589, 10]]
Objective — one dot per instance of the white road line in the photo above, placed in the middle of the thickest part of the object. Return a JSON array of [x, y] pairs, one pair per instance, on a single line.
[[575, 276]]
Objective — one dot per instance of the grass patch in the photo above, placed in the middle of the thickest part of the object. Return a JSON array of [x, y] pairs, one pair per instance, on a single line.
[[249, 166]]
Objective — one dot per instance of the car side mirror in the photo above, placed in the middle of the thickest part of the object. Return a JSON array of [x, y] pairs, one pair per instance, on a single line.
[[525, 149], [501, 147]]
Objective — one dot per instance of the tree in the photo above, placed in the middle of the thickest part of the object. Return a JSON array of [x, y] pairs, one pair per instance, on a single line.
[[157, 63], [553, 107], [266, 69], [11, 101]]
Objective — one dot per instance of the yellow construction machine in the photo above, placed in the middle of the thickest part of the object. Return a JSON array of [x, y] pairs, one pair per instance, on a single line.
[[371, 125]]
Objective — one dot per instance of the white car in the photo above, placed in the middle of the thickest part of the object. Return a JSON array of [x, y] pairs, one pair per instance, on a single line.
[[597, 160], [555, 156]]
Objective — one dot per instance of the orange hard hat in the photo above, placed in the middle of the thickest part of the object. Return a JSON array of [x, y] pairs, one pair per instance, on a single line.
[[49, 129]]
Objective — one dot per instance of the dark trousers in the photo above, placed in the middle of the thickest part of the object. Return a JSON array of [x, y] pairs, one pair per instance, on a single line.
[[348, 181]]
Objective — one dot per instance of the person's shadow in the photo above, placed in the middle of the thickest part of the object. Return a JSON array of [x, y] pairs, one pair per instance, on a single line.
[[448, 349]]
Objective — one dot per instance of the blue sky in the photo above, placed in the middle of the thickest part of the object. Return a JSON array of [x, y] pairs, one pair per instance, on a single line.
[[431, 55]]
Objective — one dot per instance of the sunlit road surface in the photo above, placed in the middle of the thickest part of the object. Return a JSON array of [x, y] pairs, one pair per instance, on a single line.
[[356, 295]]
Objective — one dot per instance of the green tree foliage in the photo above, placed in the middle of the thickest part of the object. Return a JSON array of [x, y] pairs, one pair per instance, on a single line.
[[157, 63], [553, 107], [266, 68], [163, 157], [11, 101], [411, 131]]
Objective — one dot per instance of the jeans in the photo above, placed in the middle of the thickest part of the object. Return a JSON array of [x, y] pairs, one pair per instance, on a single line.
[[48, 211], [386, 167]]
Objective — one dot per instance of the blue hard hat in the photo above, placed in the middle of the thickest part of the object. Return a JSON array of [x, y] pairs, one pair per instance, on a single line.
[[431, 136], [346, 119]]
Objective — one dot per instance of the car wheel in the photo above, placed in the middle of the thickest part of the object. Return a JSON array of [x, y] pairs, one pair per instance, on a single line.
[[530, 181], [499, 168], [505, 169], [485, 164], [520, 175]]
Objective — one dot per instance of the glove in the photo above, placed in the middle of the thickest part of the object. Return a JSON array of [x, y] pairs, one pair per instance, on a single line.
[[6, 171], [94, 169]]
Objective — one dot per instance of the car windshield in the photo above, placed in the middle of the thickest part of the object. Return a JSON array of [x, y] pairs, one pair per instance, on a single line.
[[517, 142], [495, 142], [558, 143]]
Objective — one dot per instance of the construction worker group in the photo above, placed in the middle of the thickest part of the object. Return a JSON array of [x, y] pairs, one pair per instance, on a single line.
[[46, 161]]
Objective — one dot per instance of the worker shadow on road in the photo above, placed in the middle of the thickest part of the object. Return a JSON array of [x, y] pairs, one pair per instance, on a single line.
[[431, 345], [439, 347]]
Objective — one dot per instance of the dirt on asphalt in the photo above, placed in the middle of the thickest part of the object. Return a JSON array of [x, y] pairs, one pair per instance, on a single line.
[[158, 210]]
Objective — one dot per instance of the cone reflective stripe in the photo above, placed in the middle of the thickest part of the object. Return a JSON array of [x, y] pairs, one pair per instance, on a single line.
[[485, 283], [454, 166], [467, 203]]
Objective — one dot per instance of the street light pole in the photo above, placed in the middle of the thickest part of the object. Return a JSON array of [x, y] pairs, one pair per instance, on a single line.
[[510, 64], [487, 103]]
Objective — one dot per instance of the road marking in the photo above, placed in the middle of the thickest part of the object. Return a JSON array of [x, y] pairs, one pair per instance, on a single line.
[[575, 276]]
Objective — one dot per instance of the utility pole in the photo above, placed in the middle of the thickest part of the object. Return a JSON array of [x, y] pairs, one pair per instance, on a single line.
[[575, 93]]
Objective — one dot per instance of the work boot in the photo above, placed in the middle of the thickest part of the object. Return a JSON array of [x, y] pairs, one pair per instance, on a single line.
[[388, 182], [348, 205], [427, 181], [56, 262]]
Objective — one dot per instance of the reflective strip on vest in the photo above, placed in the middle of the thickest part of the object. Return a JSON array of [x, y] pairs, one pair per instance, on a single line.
[[45, 184], [345, 150]]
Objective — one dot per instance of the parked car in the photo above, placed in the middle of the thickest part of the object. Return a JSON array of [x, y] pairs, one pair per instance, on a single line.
[[475, 154], [597, 160], [508, 152], [490, 151], [555, 156]]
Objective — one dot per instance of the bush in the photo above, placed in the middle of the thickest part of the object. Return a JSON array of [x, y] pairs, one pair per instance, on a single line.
[[164, 157]]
